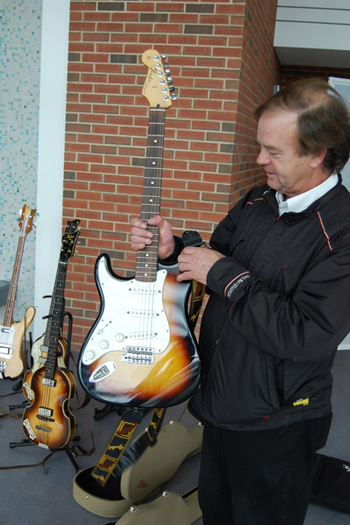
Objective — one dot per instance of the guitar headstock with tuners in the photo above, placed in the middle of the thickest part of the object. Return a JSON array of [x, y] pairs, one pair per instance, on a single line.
[[158, 88], [26, 220], [69, 240]]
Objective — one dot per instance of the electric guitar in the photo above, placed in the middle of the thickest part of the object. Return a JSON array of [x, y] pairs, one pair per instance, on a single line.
[[48, 422], [12, 359], [140, 350]]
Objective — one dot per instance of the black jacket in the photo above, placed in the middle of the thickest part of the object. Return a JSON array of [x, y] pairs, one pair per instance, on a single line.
[[279, 307]]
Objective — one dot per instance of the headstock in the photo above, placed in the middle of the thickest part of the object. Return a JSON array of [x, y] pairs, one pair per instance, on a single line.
[[69, 240], [26, 220], [158, 87]]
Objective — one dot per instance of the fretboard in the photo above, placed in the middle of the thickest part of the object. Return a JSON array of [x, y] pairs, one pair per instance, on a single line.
[[55, 321], [11, 298], [147, 259]]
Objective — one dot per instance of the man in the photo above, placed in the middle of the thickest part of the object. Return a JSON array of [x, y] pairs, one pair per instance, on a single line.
[[278, 272]]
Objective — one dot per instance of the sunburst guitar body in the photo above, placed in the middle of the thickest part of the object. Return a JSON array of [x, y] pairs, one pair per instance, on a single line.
[[140, 351], [48, 422]]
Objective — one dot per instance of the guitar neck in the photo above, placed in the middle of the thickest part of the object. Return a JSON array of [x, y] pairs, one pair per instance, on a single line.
[[11, 298], [55, 321], [147, 259]]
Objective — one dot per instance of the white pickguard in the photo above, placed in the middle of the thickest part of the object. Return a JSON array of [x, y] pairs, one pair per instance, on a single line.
[[133, 319]]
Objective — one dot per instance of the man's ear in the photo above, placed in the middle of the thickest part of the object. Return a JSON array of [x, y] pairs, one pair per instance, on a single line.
[[317, 159]]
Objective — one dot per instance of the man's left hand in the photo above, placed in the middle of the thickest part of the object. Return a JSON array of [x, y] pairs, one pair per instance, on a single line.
[[195, 263]]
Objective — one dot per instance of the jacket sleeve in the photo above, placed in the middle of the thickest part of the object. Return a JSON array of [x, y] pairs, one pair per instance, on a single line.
[[172, 259], [309, 323]]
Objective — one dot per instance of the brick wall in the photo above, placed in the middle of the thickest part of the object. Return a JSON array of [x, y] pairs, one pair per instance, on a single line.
[[222, 63]]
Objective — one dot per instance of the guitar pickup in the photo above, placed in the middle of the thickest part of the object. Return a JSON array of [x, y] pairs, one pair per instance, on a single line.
[[6, 349], [48, 382], [45, 412], [6, 335]]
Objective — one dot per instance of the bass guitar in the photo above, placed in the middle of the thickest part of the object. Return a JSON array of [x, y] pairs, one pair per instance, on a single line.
[[40, 346], [49, 387], [13, 359], [140, 350]]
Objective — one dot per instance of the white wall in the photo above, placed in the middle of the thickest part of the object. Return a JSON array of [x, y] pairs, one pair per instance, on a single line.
[[53, 88]]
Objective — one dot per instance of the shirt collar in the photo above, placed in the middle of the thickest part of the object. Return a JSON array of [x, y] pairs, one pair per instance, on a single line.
[[300, 202]]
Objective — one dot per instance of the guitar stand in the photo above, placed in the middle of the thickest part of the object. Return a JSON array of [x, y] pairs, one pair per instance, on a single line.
[[108, 409], [18, 386], [69, 335], [66, 449], [23, 405]]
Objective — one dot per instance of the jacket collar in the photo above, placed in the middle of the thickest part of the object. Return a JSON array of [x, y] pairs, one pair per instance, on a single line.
[[301, 202]]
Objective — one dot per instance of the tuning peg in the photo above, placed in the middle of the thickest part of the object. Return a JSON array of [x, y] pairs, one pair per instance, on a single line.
[[171, 88], [163, 57], [169, 80], [173, 96]]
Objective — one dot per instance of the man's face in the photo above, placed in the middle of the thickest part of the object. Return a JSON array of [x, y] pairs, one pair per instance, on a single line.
[[287, 171]]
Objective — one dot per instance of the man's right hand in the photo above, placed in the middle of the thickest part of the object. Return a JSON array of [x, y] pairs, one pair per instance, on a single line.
[[141, 236]]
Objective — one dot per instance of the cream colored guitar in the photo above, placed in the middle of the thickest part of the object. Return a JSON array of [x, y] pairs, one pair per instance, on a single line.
[[12, 358]]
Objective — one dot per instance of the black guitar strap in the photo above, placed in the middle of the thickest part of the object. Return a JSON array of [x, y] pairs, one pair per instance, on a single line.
[[116, 458], [192, 238]]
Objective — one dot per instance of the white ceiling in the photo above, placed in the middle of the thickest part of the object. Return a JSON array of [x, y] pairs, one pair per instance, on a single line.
[[313, 33]]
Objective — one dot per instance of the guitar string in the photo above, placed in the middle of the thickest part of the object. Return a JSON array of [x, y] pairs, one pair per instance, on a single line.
[[49, 368], [46, 405], [153, 178], [158, 144]]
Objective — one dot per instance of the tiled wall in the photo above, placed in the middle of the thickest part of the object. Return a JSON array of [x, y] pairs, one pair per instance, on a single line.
[[19, 101]]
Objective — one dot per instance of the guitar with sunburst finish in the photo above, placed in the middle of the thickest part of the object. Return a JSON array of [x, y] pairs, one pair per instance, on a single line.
[[140, 350], [13, 358], [48, 422]]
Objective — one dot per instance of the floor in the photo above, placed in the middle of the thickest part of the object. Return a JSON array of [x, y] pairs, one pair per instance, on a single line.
[[35, 493]]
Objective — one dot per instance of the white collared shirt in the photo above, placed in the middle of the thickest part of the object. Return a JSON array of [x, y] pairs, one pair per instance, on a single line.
[[300, 202]]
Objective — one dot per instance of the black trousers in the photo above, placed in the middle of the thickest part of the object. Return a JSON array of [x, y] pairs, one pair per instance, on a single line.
[[259, 477]]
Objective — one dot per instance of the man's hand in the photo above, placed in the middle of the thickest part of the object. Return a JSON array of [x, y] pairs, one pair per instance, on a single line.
[[141, 236], [195, 263]]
